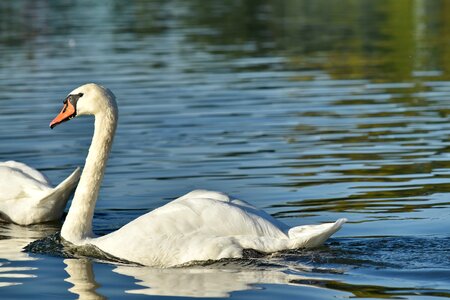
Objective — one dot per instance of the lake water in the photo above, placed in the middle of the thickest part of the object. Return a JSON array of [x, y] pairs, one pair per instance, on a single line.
[[312, 110]]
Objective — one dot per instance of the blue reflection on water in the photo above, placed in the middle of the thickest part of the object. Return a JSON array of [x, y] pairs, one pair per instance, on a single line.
[[313, 111]]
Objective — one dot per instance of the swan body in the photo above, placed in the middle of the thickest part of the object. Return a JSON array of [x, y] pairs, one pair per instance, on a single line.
[[201, 225], [206, 225], [27, 196]]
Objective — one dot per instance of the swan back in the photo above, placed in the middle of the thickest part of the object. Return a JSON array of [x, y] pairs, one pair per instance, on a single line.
[[26, 170]]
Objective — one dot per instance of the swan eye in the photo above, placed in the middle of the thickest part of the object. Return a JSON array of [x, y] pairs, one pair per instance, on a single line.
[[73, 99]]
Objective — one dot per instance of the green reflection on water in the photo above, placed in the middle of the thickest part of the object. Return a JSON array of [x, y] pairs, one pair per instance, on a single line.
[[382, 40]]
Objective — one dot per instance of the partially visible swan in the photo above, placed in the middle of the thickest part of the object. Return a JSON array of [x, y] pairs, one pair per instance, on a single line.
[[201, 225], [27, 196]]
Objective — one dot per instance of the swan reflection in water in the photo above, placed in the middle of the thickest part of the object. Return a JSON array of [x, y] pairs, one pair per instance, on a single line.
[[12, 240], [81, 276], [185, 282], [201, 282]]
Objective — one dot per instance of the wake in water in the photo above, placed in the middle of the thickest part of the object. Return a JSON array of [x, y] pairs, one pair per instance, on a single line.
[[55, 246], [410, 264], [345, 253]]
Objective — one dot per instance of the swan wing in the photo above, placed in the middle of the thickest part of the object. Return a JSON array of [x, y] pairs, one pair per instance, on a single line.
[[209, 213], [197, 226], [226, 215]]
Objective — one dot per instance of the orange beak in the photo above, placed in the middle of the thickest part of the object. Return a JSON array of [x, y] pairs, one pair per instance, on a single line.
[[68, 112]]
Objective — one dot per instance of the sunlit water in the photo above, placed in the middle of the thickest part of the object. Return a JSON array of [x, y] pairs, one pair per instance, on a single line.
[[312, 110]]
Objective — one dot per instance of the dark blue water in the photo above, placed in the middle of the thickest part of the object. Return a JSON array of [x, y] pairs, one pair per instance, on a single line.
[[312, 110]]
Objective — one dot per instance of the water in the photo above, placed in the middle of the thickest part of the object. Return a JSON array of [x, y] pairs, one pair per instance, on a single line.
[[312, 110]]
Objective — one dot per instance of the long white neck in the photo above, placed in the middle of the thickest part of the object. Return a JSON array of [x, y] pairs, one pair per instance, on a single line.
[[78, 224]]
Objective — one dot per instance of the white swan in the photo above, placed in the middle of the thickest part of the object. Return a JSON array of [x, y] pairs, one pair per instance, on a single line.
[[200, 225], [27, 196]]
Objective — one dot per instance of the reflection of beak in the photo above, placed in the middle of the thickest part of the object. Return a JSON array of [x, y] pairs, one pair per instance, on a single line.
[[68, 112]]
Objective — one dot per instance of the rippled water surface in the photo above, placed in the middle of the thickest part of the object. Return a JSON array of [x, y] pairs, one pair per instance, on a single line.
[[312, 110]]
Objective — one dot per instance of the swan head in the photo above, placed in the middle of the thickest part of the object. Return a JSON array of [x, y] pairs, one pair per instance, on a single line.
[[88, 99]]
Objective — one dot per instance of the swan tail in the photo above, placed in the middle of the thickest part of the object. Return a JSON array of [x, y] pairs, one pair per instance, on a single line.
[[309, 236], [56, 200]]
